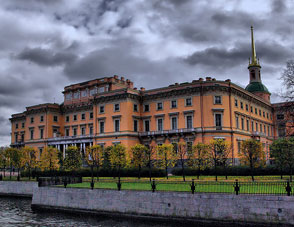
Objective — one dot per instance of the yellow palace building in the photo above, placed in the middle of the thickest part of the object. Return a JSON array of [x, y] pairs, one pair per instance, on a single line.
[[111, 110]]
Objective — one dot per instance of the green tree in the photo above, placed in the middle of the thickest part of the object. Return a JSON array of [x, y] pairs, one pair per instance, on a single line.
[[198, 157], [94, 157], [181, 156], [3, 160], [150, 156], [139, 157], [9, 158], [29, 159], [49, 159], [252, 154], [106, 158], [17, 156], [166, 157], [118, 157], [73, 159], [218, 154]]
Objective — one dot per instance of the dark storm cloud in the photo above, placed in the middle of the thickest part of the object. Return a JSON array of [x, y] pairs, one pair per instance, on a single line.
[[46, 57], [278, 6]]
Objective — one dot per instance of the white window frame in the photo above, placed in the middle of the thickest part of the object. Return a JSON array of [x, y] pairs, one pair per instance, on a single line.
[[171, 123], [191, 101], [114, 120], [160, 118], [186, 120], [144, 124], [214, 100], [171, 106], [114, 107]]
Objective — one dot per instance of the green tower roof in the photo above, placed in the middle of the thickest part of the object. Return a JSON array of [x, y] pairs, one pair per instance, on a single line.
[[256, 87]]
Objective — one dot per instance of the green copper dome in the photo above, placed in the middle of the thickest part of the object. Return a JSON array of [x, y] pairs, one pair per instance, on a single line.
[[256, 87]]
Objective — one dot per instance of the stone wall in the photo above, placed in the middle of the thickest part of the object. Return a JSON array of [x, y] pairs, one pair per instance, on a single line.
[[218, 207], [17, 188]]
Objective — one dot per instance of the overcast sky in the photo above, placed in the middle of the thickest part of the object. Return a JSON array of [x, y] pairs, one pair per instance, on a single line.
[[48, 44]]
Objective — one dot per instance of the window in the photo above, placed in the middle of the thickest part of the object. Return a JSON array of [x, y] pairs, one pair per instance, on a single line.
[[189, 121], [83, 131], [242, 123], [23, 125], [101, 126], [173, 104], [239, 146], [247, 107], [55, 118], [135, 108], [260, 127], [16, 125], [280, 116], [91, 115], [263, 114], [174, 121], [255, 110], [41, 118], [92, 92], [32, 120], [76, 95], [241, 104], [259, 112], [218, 120], [247, 124], [84, 93], [146, 107], [101, 108], [217, 99], [135, 125], [256, 127], [159, 106], [188, 101], [22, 137], [83, 116], [268, 130], [237, 121], [236, 103], [75, 117], [32, 134], [251, 109], [67, 118], [267, 115], [116, 107], [101, 89], [91, 130], [68, 97], [116, 125], [16, 137], [67, 132], [41, 133], [75, 131], [252, 126], [147, 125], [264, 129], [160, 124]]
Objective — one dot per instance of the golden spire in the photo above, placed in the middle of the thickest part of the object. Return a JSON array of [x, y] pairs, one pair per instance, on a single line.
[[254, 61]]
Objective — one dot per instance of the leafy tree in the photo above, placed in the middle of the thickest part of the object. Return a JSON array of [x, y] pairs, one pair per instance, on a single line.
[[118, 157], [9, 157], [252, 154], [3, 159], [73, 158], [17, 160], [29, 159], [198, 157], [277, 153], [106, 158], [150, 155], [139, 156], [49, 159], [181, 156], [94, 157], [166, 157], [218, 154]]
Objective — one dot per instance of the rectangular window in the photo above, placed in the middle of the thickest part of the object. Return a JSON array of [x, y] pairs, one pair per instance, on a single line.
[[217, 99], [23, 125], [236, 103], [116, 107], [84, 93], [68, 97], [268, 130], [41, 118], [101, 109], [32, 134], [188, 101], [92, 92], [16, 137], [41, 133], [242, 123], [91, 115], [55, 118], [263, 114], [247, 107], [160, 124], [260, 127], [259, 112], [16, 126], [135, 108], [189, 122], [237, 122], [75, 117], [241, 104], [146, 107], [251, 109], [75, 132], [267, 115], [264, 129], [32, 120], [256, 127], [22, 137], [174, 121], [83, 116], [173, 104], [159, 106], [135, 125], [147, 125], [67, 118], [252, 126], [83, 131], [101, 126], [255, 110], [116, 125], [101, 89], [218, 120], [247, 124], [239, 146], [67, 132], [91, 130]]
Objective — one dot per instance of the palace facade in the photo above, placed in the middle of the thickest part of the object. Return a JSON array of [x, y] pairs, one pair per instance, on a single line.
[[111, 110]]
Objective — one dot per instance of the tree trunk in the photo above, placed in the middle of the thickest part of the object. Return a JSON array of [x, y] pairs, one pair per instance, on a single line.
[[10, 171], [251, 170], [215, 171], [119, 172], [4, 171], [139, 172], [166, 171], [18, 176], [97, 168], [290, 173], [183, 171], [29, 173], [198, 172], [92, 173], [150, 170]]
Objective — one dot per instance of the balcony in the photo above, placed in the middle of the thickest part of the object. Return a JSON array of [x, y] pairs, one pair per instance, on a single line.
[[73, 139], [172, 131], [258, 134]]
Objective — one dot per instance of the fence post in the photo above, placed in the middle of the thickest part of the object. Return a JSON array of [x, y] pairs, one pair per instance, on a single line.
[[118, 184], [288, 188], [92, 184], [153, 185], [193, 186], [237, 187]]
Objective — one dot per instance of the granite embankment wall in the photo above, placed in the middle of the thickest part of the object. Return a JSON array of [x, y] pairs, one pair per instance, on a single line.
[[17, 188], [217, 207]]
